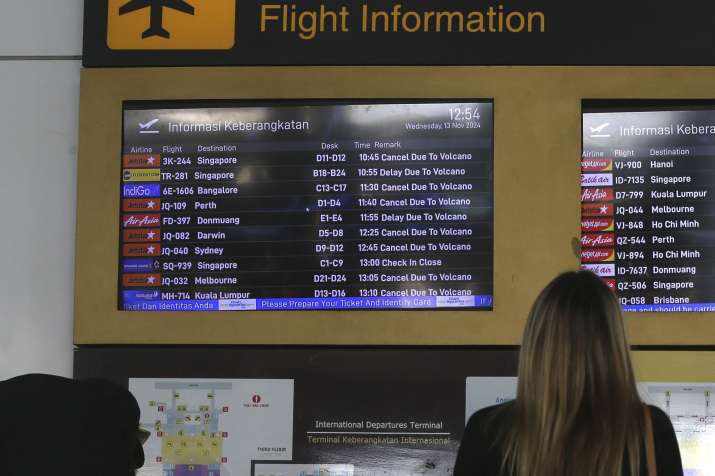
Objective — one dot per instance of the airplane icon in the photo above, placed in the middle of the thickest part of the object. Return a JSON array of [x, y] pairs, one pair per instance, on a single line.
[[145, 128], [598, 130], [156, 27]]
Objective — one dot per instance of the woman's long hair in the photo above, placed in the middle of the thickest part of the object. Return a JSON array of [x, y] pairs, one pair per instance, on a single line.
[[577, 410]]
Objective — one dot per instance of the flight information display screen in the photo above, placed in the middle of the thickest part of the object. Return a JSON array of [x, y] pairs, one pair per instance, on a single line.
[[648, 218], [306, 206]]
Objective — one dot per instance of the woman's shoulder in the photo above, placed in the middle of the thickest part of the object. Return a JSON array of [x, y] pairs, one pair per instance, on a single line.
[[491, 419]]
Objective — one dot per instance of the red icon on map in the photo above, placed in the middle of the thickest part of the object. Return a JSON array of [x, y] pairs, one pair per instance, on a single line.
[[141, 249], [597, 209], [141, 161]]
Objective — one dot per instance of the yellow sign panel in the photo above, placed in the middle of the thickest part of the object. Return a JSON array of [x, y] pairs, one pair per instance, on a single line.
[[171, 24], [141, 175]]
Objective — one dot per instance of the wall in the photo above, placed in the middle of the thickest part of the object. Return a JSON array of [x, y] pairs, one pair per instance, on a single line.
[[39, 89]]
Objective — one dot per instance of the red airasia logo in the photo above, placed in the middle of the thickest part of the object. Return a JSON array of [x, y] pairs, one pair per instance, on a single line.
[[610, 282], [596, 194], [592, 240], [141, 221]]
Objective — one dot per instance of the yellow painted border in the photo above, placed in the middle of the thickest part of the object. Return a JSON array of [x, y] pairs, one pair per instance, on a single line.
[[674, 366], [536, 184]]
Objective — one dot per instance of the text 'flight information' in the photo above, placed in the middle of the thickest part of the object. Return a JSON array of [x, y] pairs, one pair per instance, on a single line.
[[287, 206], [647, 212]]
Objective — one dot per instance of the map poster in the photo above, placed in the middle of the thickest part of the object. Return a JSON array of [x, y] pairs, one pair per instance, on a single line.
[[202, 427], [689, 407]]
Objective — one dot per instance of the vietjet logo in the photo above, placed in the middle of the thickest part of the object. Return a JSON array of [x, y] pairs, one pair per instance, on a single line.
[[596, 165], [597, 224], [597, 255], [171, 24]]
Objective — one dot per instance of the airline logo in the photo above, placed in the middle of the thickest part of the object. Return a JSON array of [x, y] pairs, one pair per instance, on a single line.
[[171, 24], [610, 282], [597, 224], [607, 270], [143, 295], [141, 175], [141, 280], [141, 204], [141, 235], [141, 221], [596, 194], [137, 265], [596, 165], [593, 240], [596, 180], [141, 249], [140, 161], [141, 191], [597, 255], [597, 209]]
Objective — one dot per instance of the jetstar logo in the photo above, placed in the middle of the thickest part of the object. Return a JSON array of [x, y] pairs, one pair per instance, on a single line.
[[593, 240], [596, 194], [140, 161], [597, 255], [141, 280], [610, 282], [597, 209], [597, 224], [143, 234], [596, 180], [150, 249], [596, 165], [600, 269], [141, 221], [141, 204]]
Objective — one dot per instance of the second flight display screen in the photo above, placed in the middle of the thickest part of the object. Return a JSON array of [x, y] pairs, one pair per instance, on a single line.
[[306, 207]]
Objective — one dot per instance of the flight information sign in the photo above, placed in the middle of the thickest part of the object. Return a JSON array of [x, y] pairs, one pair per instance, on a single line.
[[648, 218], [306, 206]]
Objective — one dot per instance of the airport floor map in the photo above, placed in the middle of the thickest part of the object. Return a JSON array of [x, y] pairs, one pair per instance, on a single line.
[[250, 427], [214, 427]]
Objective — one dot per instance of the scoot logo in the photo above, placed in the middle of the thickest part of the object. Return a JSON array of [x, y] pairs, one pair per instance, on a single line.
[[171, 24]]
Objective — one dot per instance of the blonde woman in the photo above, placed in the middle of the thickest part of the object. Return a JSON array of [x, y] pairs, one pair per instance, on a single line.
[[577, 411]]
